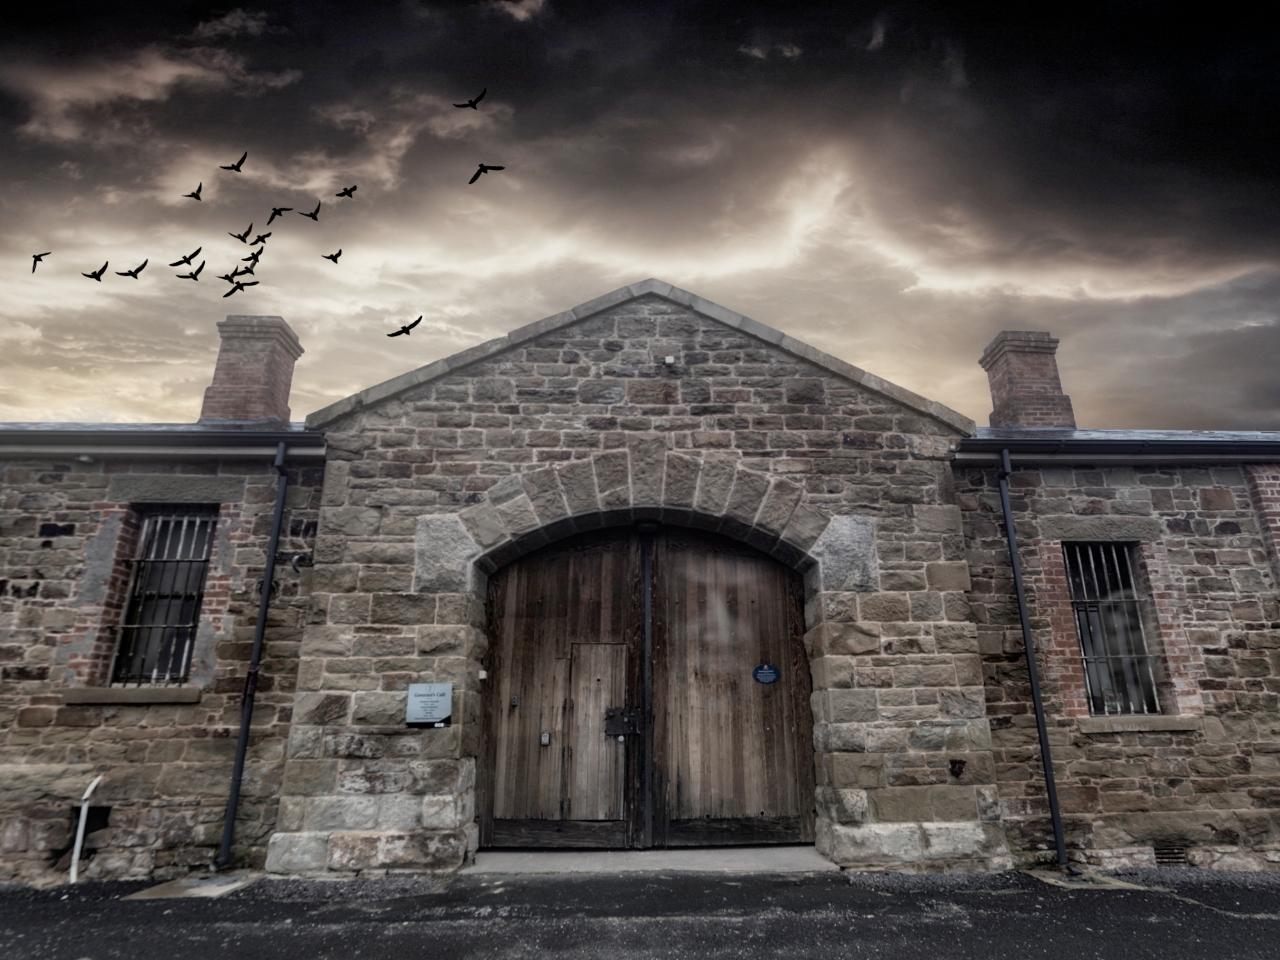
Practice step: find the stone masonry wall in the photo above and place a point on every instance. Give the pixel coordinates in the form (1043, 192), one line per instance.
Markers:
(583, 425)
(1206, 773)
(66, 533)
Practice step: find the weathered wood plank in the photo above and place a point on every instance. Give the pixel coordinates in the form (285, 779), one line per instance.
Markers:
(727, 750)
(585, 834)
(597, 763)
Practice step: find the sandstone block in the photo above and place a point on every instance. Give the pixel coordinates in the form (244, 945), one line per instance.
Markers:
(846, 555)
(444, 554)
(297, 852)
(948, 575)
(843, 639)
(407, 608)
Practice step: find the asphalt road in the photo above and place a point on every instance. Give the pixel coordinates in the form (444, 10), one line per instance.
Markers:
(1177, 914)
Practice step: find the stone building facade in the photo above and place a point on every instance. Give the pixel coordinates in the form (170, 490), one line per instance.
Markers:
(649, 405)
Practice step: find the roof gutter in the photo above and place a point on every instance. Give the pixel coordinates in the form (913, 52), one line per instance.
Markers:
(188, 444)
(985, 451)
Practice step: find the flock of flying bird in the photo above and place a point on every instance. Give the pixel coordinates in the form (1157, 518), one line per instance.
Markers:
(259, 241)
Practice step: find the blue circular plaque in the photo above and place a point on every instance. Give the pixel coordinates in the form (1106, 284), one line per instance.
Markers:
(765, 673)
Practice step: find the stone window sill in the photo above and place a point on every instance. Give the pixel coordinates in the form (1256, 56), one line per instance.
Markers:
(132, 695)
(1140, 724)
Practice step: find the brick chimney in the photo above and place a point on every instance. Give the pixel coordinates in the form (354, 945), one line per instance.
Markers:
(1025, 389)
(254, 371)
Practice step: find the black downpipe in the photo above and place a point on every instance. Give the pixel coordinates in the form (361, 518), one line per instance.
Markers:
(1033, 672)
(223, 859)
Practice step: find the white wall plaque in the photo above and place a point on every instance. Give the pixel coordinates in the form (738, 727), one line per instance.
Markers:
(429, 705)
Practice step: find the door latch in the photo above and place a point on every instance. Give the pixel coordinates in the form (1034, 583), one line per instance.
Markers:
(619, 722)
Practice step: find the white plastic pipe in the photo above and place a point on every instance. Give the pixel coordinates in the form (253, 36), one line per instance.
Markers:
(84, 817)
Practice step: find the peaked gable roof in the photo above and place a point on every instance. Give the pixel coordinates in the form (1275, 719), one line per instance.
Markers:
(730, 318)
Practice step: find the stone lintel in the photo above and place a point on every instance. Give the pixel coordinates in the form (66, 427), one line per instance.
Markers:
(174, 488)
(1098, 528)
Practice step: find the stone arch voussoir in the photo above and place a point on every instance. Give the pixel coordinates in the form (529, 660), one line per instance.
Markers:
(645, 480)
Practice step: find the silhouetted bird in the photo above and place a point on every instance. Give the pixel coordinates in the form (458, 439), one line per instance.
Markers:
(229, 277)
(187, 259)
(252, 257)
(241, 271)
(243, 237)
(260, 238)
(235, 167)
(240, 286)
(314, 214)
(484, 168)
(97, 274)
(332, 256)
(405, 329)
(134, 272)
(195, 194)
(194, 275)
(472, 103)
(349, 192)
(277, 212)
(38, 258)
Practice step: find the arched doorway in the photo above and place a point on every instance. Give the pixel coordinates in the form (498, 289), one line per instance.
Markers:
(647, 687)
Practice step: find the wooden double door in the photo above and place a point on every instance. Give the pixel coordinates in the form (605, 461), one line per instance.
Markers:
(646, 688)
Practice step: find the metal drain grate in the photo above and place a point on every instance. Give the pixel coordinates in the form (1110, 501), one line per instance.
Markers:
(1172, 853)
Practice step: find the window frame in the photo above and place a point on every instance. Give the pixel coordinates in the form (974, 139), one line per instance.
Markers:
(1123, 679)
(144, 515)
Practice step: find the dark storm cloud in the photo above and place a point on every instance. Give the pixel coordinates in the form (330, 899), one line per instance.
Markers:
(894, 183)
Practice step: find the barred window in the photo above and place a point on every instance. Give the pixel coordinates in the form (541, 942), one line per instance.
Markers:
(165, 593)
(1118, 669)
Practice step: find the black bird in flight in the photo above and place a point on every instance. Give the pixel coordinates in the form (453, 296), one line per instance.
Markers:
(229, 277)
(235, 167)
(405, 329)
(483, 168)
(38, 258)
(277, 212)
(187, 259)
(195, 194)
(260, 238)
(252, 257)
(241, 271)
(314, 214)
(348, 192)
(134, 272)
(97, 274)
(472, 103)
(243, 237)
(332, 256)
(240, 286)
(194, 275)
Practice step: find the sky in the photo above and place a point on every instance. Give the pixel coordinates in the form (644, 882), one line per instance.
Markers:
(891, 183)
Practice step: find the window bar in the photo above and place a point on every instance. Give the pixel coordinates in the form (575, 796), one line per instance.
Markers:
(1075, 570)
(1153, 693)
(1122, 618)
(164, 602)
(138, 589)
(1094, 617)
